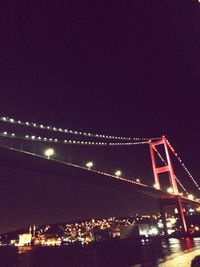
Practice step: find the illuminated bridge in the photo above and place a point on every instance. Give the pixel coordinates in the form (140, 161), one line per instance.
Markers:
(19, 158)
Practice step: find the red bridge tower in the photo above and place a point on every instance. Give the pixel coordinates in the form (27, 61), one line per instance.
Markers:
(167, 168)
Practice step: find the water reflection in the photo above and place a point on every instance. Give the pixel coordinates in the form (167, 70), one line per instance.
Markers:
(188, 244)
(196, 241)
(24, 249)
(176, 247)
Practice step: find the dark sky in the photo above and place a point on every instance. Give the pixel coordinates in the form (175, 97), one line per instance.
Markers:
(127, 68)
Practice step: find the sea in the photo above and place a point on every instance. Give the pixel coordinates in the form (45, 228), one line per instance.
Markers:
(118, 253)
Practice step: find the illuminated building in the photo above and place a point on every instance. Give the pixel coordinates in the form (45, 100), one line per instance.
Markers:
(25, 239)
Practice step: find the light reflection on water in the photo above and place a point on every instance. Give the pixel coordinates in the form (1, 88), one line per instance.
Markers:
(124, 253)
(25, 249)
(176, 247)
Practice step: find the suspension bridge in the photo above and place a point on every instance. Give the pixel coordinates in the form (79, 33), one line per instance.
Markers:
(160, 149)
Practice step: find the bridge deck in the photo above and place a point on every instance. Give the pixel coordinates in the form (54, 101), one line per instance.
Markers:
(33, 162)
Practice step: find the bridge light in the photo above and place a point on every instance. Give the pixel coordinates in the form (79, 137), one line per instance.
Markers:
(49, 152)
(190, 196)
(198, 209)
(89, 165)
(118, 173)
(176, 211)
(155, 186)
(138, 180)
(170, 190)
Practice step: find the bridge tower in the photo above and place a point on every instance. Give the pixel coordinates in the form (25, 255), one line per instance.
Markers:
(167, 168)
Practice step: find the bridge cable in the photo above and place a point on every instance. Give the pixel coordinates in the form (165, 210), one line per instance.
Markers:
(183, 165)
(65, 141)
(69, 131)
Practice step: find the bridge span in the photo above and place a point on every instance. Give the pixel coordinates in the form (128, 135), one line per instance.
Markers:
(37, 163)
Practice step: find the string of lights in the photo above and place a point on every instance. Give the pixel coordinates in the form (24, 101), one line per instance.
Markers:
(68, 131)
(162, 159)
(183, 165)
(65, 141)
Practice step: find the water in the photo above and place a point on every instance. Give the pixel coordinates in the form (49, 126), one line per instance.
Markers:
(122, 253)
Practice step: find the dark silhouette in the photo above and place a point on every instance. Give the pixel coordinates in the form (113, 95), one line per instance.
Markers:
(196, 262)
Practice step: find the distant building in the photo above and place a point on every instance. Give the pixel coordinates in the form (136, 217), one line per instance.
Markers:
(129, 231)
(25, 239)
(148, 230)
(144, 229)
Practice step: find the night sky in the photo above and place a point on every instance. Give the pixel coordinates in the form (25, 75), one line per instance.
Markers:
(125, 68)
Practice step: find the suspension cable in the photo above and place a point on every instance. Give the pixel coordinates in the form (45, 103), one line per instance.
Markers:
(68, 131)
(65, 141)
(183, 165)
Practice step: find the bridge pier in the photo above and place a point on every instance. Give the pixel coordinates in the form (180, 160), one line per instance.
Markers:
(181, 214)
(167, 168)
(172, 202)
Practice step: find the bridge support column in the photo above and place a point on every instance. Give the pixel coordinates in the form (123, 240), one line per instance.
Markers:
(175, 202)
(167, 168)
(181, 214)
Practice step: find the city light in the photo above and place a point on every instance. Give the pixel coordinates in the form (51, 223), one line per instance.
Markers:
(198, 209)
(118, 173)
(138, 180)
(153, 231)
(190, 196)
(86, 231)
(89, 165)
(49, 152)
